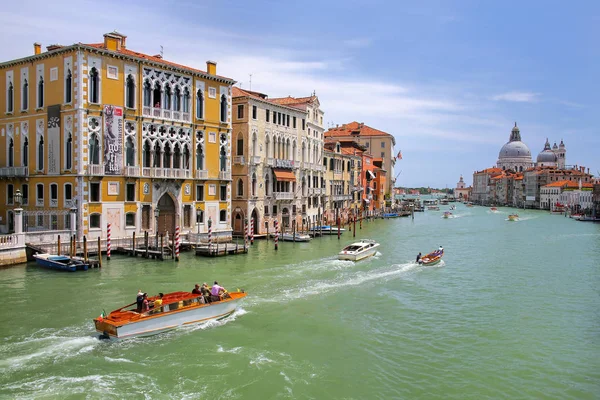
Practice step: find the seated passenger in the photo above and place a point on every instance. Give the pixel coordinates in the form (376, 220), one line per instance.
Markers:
(158, 303)
(145, 304)
(196, 289)
(205, 292)
(139, 299)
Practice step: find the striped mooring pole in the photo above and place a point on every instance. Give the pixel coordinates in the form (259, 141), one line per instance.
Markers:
(252, 230)
(177, 243)
(209, 235)
(107, 242)
(246, 233)
(276, 233)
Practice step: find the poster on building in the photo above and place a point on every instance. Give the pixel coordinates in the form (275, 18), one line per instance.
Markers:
(113, 140)
(53, 140)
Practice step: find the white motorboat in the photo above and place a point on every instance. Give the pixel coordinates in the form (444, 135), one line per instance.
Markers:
(291, 237)
(359, 250)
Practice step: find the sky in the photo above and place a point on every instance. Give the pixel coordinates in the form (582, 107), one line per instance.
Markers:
(448, 79)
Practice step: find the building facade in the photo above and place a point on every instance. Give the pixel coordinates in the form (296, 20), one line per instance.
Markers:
(462, 192)
(124, 138)
(343, 189)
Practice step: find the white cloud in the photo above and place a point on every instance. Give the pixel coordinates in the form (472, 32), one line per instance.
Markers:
(520, 97)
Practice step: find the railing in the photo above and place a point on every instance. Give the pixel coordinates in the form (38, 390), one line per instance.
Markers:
(69, 203)
(53, 202)
(146, 172)
(39, 202)
(239, 160)
(132, 171)
(225, 175)
(339, 197)
(166, 114)
(201, 174)
(14, 171)
(283, 195)
(270, 161)
(95, 170)
(255, 160)
(12, 240)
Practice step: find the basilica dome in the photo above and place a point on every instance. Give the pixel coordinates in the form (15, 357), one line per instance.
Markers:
(547, 156)
(515, 154)
(516, 149)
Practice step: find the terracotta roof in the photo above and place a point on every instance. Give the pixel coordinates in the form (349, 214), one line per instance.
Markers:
(154, 59)
(288, 101)
(569, 184)
(360, 129)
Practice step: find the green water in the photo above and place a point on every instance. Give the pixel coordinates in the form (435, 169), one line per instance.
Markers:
(511, 313)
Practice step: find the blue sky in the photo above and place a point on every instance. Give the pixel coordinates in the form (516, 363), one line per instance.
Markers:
(447, 79)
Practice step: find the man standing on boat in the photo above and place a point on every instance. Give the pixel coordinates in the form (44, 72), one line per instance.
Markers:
(216, 291)
(419, 257)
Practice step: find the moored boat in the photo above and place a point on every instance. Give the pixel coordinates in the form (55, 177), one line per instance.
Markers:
(359, 250)
(433, 208)
(177, 309)
(432, 258)
(291, 237)
(61, 263)
(327, 230)
(513, 217)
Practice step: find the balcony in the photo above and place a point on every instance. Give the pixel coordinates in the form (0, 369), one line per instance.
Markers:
(95, 170)
(239, 160)
(341, 197)
(283, 195)
(201, 174)
(132, 171)
(14, 172)
(270, 162)
(39, 202)
(255, 160)
(69, 203)
(165, 173)
(153, 112)
(53, 202)
(225, 175)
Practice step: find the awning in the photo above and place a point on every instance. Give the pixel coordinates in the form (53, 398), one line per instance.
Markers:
(284, 175)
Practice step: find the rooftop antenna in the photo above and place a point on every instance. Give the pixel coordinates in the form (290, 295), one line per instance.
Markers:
(250, 82)
(161, 51)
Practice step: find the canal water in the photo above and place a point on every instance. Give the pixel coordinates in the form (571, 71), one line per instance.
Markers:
(511, 313)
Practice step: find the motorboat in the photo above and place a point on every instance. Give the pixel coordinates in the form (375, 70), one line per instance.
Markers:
(61, 263)
(432, 258)
(433, 208)
(469, 204)
(359, 250)
(453, 207)
(513, 217)
(327, 230)
(493, 209)
(447, 214)
(293, 237)
(177, 309)
(391, 215)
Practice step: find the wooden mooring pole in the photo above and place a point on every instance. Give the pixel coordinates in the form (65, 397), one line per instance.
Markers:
(59, 245)
(133, 245)
(99, 253)
(85, 254)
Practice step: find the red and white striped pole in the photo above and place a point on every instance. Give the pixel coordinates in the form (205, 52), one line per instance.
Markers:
(177, 243)
(246, 234)
(209, 235)
(276, 233)
(107, 242)
(252, 230)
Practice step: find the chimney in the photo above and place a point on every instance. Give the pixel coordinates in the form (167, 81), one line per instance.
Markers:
(53, 47)
(114, 41)
(37, 48)
(211, 67)
(157, 56)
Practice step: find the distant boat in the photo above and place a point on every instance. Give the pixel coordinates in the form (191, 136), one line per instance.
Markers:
(327, 230)
(390, 215)
(513, 217)
(290, 237)
(359, 250)
(493, 209)
(469, 204)
(447, 214)
(453, 207)
(432, 258)
(433, 208)
(61, 263)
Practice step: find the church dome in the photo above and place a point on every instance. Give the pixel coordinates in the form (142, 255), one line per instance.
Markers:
(516, 149)
(547, 155)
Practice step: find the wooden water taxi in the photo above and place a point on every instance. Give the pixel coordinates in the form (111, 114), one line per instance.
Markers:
(432, 258)
(177, 309)
(513, 217)
(61, 263)
(359, 250)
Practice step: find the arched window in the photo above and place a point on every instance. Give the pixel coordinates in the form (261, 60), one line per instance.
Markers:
(94, 86)
(25, 96)
(223, 108)
(254, 144)
(240, 144)
(129, 152)
(68, 87)
(254, 184)
(223, 159)
(157, 154)
(146, 155)
(177, 157)
(185, 105)
(147, 94)
(94, 150)
(267, 147)
(200, 104)
(267, 185)
(199, 157)
(167, 156)
(41, 154)
(40, 99)
(223, 216)
(130, 92)
(157, 93)
(177, 100)
(11, 98)
(240, 187)
(69, 152)
(11, 153)
(26, 152)
(167, 97)
(186, 157)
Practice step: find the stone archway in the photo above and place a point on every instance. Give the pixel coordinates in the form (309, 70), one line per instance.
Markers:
(285, 218)
(167, 215)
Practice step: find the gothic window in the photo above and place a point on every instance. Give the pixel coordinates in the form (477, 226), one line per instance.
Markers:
(11, 97)
(26, 152)
(177, 100)
(200, 104)
(156, 96)
(167, 156)
(68, 87)
(240, 145)
(167, 98)
(186, 101)
(199, 157)
(69, 152)
(267, 147)
(156, 155)
(223, 108)
(253, 184)
(25, 96)
(147, 94)
(254, 144)
(146, 154)
(94, 86)
(94, 148)
(41, 154)
(177, 157)
(11, 153)
(223, 159)
(267, 185)
(186, 157)
(240, 187)
(129, 152)
(130, 92)
(40, 99)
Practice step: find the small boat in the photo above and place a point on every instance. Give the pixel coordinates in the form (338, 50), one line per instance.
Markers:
(359, 250)
(469, 204)
(447, 214)
(61, 263)
(493, 209)
(432, 258)
(291, 237)
(178, 309)
(433, 208)
(453, 207)
(327, 230)
(513, 217)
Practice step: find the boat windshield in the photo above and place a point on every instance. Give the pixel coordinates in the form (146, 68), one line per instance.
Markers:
(352, 247)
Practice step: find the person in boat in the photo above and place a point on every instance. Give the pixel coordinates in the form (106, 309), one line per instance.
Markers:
(196, 289)
(139, 300)
(145, 304)
(216, 291)
(419, 257)
(158, 303)
(205, 292)
(440, 250)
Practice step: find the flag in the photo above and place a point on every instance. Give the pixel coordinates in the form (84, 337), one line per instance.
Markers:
(399, 156)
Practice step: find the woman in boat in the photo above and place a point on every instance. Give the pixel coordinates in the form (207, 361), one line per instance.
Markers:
(145, 304)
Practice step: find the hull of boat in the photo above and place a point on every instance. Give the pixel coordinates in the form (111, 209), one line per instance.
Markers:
(512, 218)
(360, 256)
(288, 237)
(328, 230)
(158, 323)
(44, 260)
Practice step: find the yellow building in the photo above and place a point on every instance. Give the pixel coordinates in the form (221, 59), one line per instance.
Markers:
(342, 185)
(124, 138)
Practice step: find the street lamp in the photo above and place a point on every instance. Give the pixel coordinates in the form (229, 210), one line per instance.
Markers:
(18, 197)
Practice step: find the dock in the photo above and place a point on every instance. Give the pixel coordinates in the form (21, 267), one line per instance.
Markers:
(220, 249)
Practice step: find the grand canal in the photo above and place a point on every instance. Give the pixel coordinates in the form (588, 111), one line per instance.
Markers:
(513, 312)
